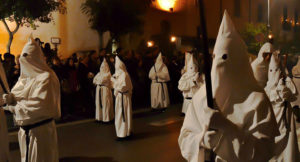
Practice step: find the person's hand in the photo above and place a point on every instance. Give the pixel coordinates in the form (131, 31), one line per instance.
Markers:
(2, 102)
(284, 92)
(211, 139)
(9, 99)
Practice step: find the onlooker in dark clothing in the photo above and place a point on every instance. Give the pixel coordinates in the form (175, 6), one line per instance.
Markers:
(93, 63)
(16, 72)
(85, 77)
(8, 65)
(49, 53)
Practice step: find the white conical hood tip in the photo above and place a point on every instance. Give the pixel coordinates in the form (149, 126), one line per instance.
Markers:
(104, 66)
(119, 65)
(192, 65)
(159, 59)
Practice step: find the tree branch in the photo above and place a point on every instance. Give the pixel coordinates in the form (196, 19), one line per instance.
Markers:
(17, 27)
(6, 26)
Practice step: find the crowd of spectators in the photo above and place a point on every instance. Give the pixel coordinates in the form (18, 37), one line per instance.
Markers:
(76, 75)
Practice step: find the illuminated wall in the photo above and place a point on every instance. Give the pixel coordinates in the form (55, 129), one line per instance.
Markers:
(72, 28)
(44, 32)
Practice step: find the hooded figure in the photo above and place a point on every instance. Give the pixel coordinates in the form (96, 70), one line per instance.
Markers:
(296, 80)
(104, 100)
(35, 103)
(123, 108)
(281, 92)
(4, 141)
(159, 75)
(189, 83)
(260, 65)
(243, 119)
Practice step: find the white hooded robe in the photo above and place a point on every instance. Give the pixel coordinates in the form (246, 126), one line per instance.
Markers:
(159, 75)
(260, 66)
(245, 123)
(189, 83)
(4, 140)
(104, 100)
(296, 80)
(37, 94)
(280, 95)
(123, 107)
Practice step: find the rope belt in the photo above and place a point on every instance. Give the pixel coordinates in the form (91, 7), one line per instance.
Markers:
(27, 128)
(123, 109)
(163, 91)
(100, 96)
(188, 98)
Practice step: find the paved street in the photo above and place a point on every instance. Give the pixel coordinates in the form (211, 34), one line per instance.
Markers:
(154, 140)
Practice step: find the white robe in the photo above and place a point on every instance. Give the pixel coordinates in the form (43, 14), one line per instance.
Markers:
(281, 94)
(189, 83)
(159, 88)
(296, 80)
(243, 117)
(37, 95)
(4, 141)
(104, 111)
(286, 143)
(122, 90)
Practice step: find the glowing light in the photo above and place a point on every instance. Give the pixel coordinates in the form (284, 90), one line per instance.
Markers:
(167, 5)
(270, 36)
(150, 44)
(173, 39)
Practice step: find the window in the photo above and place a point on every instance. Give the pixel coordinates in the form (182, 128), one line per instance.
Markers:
(259, 13)
(237, 8)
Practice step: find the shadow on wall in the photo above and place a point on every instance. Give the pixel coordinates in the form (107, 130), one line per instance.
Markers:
(87, 159)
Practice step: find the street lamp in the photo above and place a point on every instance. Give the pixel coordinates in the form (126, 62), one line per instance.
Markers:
(150, 44)
(173, 39)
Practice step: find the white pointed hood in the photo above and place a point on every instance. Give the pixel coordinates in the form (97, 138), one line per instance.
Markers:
(231, 73)
(104, 74)
(159, 62)
(192, 67)
(260, 66)
(274, 72)
(296, 69)
(187, 58)
(120, 66)
(104, 68)
(32, 60)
